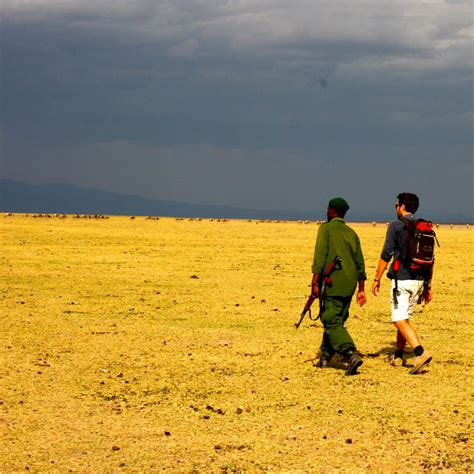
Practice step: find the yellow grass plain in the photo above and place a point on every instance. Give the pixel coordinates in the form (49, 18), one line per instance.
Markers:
(135, 345)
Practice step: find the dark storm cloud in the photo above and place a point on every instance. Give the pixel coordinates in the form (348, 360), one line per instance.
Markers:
(302, 88)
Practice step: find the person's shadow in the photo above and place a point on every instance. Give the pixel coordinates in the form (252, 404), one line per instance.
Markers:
(387, 352)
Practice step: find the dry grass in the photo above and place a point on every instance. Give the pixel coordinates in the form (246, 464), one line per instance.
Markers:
(136, 345)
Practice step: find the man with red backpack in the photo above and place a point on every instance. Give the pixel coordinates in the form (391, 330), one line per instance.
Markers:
(410, 242)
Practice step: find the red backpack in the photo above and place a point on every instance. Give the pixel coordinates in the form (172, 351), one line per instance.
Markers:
(418, 253)
(420, 243)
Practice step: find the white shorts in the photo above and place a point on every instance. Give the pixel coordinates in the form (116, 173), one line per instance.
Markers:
(409, 292)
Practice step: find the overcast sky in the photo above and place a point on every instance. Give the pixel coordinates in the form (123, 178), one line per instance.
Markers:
(251, 103)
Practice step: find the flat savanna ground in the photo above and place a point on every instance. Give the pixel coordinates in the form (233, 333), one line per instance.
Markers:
(146, 345)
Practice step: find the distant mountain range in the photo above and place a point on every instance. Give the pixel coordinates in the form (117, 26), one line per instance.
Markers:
(67, 199)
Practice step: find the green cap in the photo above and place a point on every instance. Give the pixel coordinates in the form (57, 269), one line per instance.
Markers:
(338, 203)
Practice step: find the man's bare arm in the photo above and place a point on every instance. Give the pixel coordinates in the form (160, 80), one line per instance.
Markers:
(381, 267)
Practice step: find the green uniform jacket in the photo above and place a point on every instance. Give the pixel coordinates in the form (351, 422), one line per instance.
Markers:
(337, 238)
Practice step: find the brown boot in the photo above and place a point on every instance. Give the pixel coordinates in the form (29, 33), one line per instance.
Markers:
(420, 362)
(397, 361)
(354, 362)
(323, 362)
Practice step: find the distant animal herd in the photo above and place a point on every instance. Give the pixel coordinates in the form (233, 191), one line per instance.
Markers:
(196, 219)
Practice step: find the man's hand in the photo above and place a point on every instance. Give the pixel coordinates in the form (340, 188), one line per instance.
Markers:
(361, 298)
(376, 287)
(381, 267)
(426, 296)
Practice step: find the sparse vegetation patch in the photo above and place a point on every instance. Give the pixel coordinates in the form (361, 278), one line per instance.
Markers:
(161, 344)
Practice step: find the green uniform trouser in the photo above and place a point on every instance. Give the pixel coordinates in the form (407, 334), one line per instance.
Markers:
(335, 337)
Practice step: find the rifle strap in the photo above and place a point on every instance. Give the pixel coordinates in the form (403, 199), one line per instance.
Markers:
(395, 293)
(311, 318)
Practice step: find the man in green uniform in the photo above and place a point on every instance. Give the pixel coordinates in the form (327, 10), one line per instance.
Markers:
(336, 239)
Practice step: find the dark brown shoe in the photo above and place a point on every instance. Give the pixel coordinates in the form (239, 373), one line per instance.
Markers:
(354, 362)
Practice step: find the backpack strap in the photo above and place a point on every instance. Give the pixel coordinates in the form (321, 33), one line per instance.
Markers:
(410, 225)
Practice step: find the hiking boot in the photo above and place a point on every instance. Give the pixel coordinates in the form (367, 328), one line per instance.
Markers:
(354, 362)
(323, 362)
(420, 362)
(397, 361)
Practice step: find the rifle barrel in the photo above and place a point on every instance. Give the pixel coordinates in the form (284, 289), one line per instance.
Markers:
(307, 307)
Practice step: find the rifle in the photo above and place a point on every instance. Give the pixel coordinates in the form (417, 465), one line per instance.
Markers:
(306, 309)
(325, 281)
